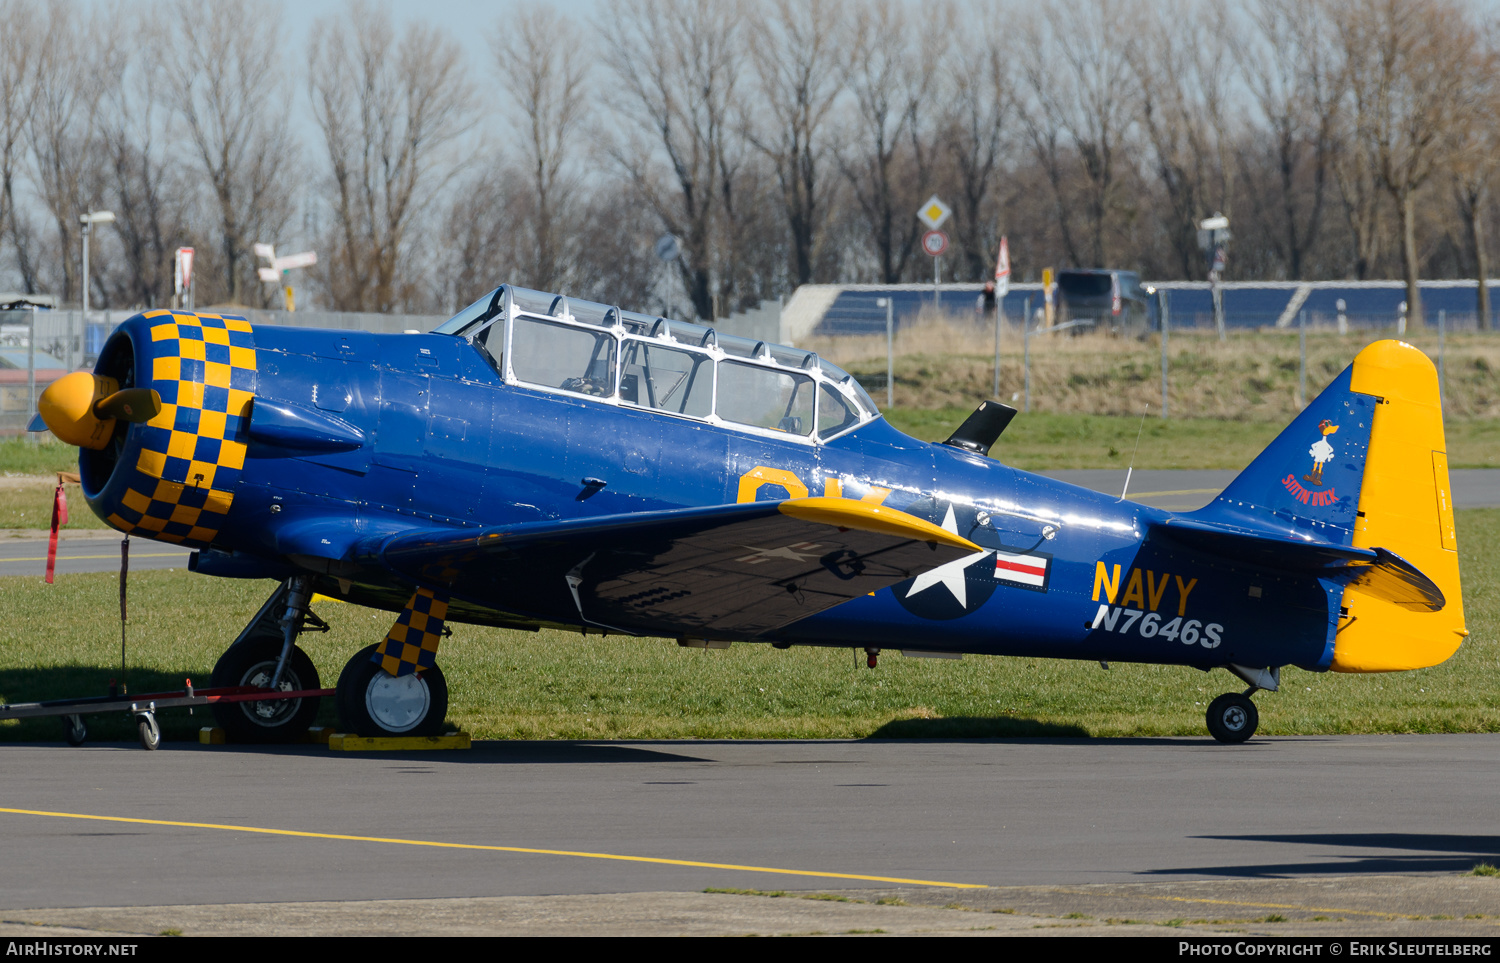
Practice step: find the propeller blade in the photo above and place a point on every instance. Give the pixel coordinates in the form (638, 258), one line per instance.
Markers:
(135, 405)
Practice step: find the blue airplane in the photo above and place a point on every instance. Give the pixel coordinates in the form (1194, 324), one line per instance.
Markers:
(539, 461)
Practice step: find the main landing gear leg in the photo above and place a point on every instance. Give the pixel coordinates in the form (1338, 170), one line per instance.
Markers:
(395, 688)
(266, 656)
(1232, 717)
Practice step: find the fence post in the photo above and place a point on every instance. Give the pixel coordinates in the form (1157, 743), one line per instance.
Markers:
(1442, 331)
(1027, 341)
(31, 364)
(1166, 321)
(1218, 297)
(1302, 365)
(890, 352)
(999, 317)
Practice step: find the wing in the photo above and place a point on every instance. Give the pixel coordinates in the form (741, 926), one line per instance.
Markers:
(730, 571)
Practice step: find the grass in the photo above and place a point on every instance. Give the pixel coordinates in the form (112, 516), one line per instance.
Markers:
(29, 505)
(1227, 401)
(64, 640)
(36, 455)
(1253, 376)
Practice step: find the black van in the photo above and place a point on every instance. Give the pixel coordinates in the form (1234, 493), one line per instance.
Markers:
(1110, 300)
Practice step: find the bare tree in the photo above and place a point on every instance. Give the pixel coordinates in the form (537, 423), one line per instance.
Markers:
(19, 25)
(978, 107)
(545, 71)
(679, 86)
(1079, 111)
(893, 64)
(75, 57)
(794, 48)
(1473, 164)
(387, 111)
(149, 194)
(1291, 73)
(1409, 66)
(1181, 64)
(480, 246)
(226, 81)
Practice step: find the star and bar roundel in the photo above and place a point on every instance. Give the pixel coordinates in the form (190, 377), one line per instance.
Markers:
(962, 586)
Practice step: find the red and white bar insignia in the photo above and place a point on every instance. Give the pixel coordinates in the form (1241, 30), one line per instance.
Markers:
(1027, 570)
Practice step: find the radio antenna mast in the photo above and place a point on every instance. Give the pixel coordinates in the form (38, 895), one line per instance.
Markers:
(1131, 467)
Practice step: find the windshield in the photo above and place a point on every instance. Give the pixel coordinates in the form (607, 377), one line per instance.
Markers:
(475, 314)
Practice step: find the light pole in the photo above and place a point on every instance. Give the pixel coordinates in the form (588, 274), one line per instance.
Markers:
(890, 350)
(1213, 235)
(87, 220)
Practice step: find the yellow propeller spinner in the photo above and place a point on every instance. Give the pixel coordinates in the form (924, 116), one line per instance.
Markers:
(82, 408)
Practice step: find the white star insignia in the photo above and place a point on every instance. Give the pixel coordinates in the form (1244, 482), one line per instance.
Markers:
(950, 575)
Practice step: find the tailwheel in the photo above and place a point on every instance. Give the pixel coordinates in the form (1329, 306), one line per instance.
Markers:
(372, 702)
(1232, 718)
(253, 663)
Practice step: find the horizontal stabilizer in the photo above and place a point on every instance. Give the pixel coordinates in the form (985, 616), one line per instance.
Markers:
(1377, 572)
(727, 571)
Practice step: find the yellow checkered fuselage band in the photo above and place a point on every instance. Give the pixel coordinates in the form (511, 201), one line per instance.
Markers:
(191, 454)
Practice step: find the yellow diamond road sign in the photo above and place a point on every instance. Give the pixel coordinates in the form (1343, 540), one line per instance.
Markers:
(934, 212)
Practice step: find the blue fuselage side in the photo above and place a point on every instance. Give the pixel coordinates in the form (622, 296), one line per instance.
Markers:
(448, 443)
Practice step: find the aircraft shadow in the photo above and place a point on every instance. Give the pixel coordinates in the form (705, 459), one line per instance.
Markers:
(1431, 853)
(975, 727)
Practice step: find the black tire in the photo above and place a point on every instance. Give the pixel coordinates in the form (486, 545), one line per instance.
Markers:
(74, 731)
(417, 707)
(253, 662)
(149, 732)
(1232, 718)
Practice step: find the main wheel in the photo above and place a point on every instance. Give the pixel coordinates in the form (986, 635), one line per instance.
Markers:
(1232, 718)
(253, 663)
(149, 732)
(74, 731)
(372, 702)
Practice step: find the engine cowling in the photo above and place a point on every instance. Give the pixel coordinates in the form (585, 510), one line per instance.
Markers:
(174, 477)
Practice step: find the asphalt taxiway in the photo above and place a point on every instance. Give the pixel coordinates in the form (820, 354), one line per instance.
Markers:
(116, 826)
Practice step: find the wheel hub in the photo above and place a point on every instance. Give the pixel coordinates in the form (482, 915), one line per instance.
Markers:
(1234, 718)
(397, 704)
(271, 712)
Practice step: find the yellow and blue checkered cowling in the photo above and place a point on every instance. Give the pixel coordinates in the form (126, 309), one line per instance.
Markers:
(190, 455)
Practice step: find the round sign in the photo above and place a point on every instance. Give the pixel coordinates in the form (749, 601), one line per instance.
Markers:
(934, 242)
(668, 248)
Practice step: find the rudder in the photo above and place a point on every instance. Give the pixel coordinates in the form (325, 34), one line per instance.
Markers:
(1405, 506)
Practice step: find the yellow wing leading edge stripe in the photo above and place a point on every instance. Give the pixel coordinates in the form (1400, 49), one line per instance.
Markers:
(869, 517)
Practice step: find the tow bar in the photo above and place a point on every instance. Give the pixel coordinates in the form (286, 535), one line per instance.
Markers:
(143, 707)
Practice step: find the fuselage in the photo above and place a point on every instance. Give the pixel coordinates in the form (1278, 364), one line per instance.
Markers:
(423, 431)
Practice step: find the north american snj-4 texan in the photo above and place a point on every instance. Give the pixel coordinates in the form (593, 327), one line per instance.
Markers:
(537, 461)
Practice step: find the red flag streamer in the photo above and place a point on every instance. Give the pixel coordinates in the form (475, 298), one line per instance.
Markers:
(59, 519)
